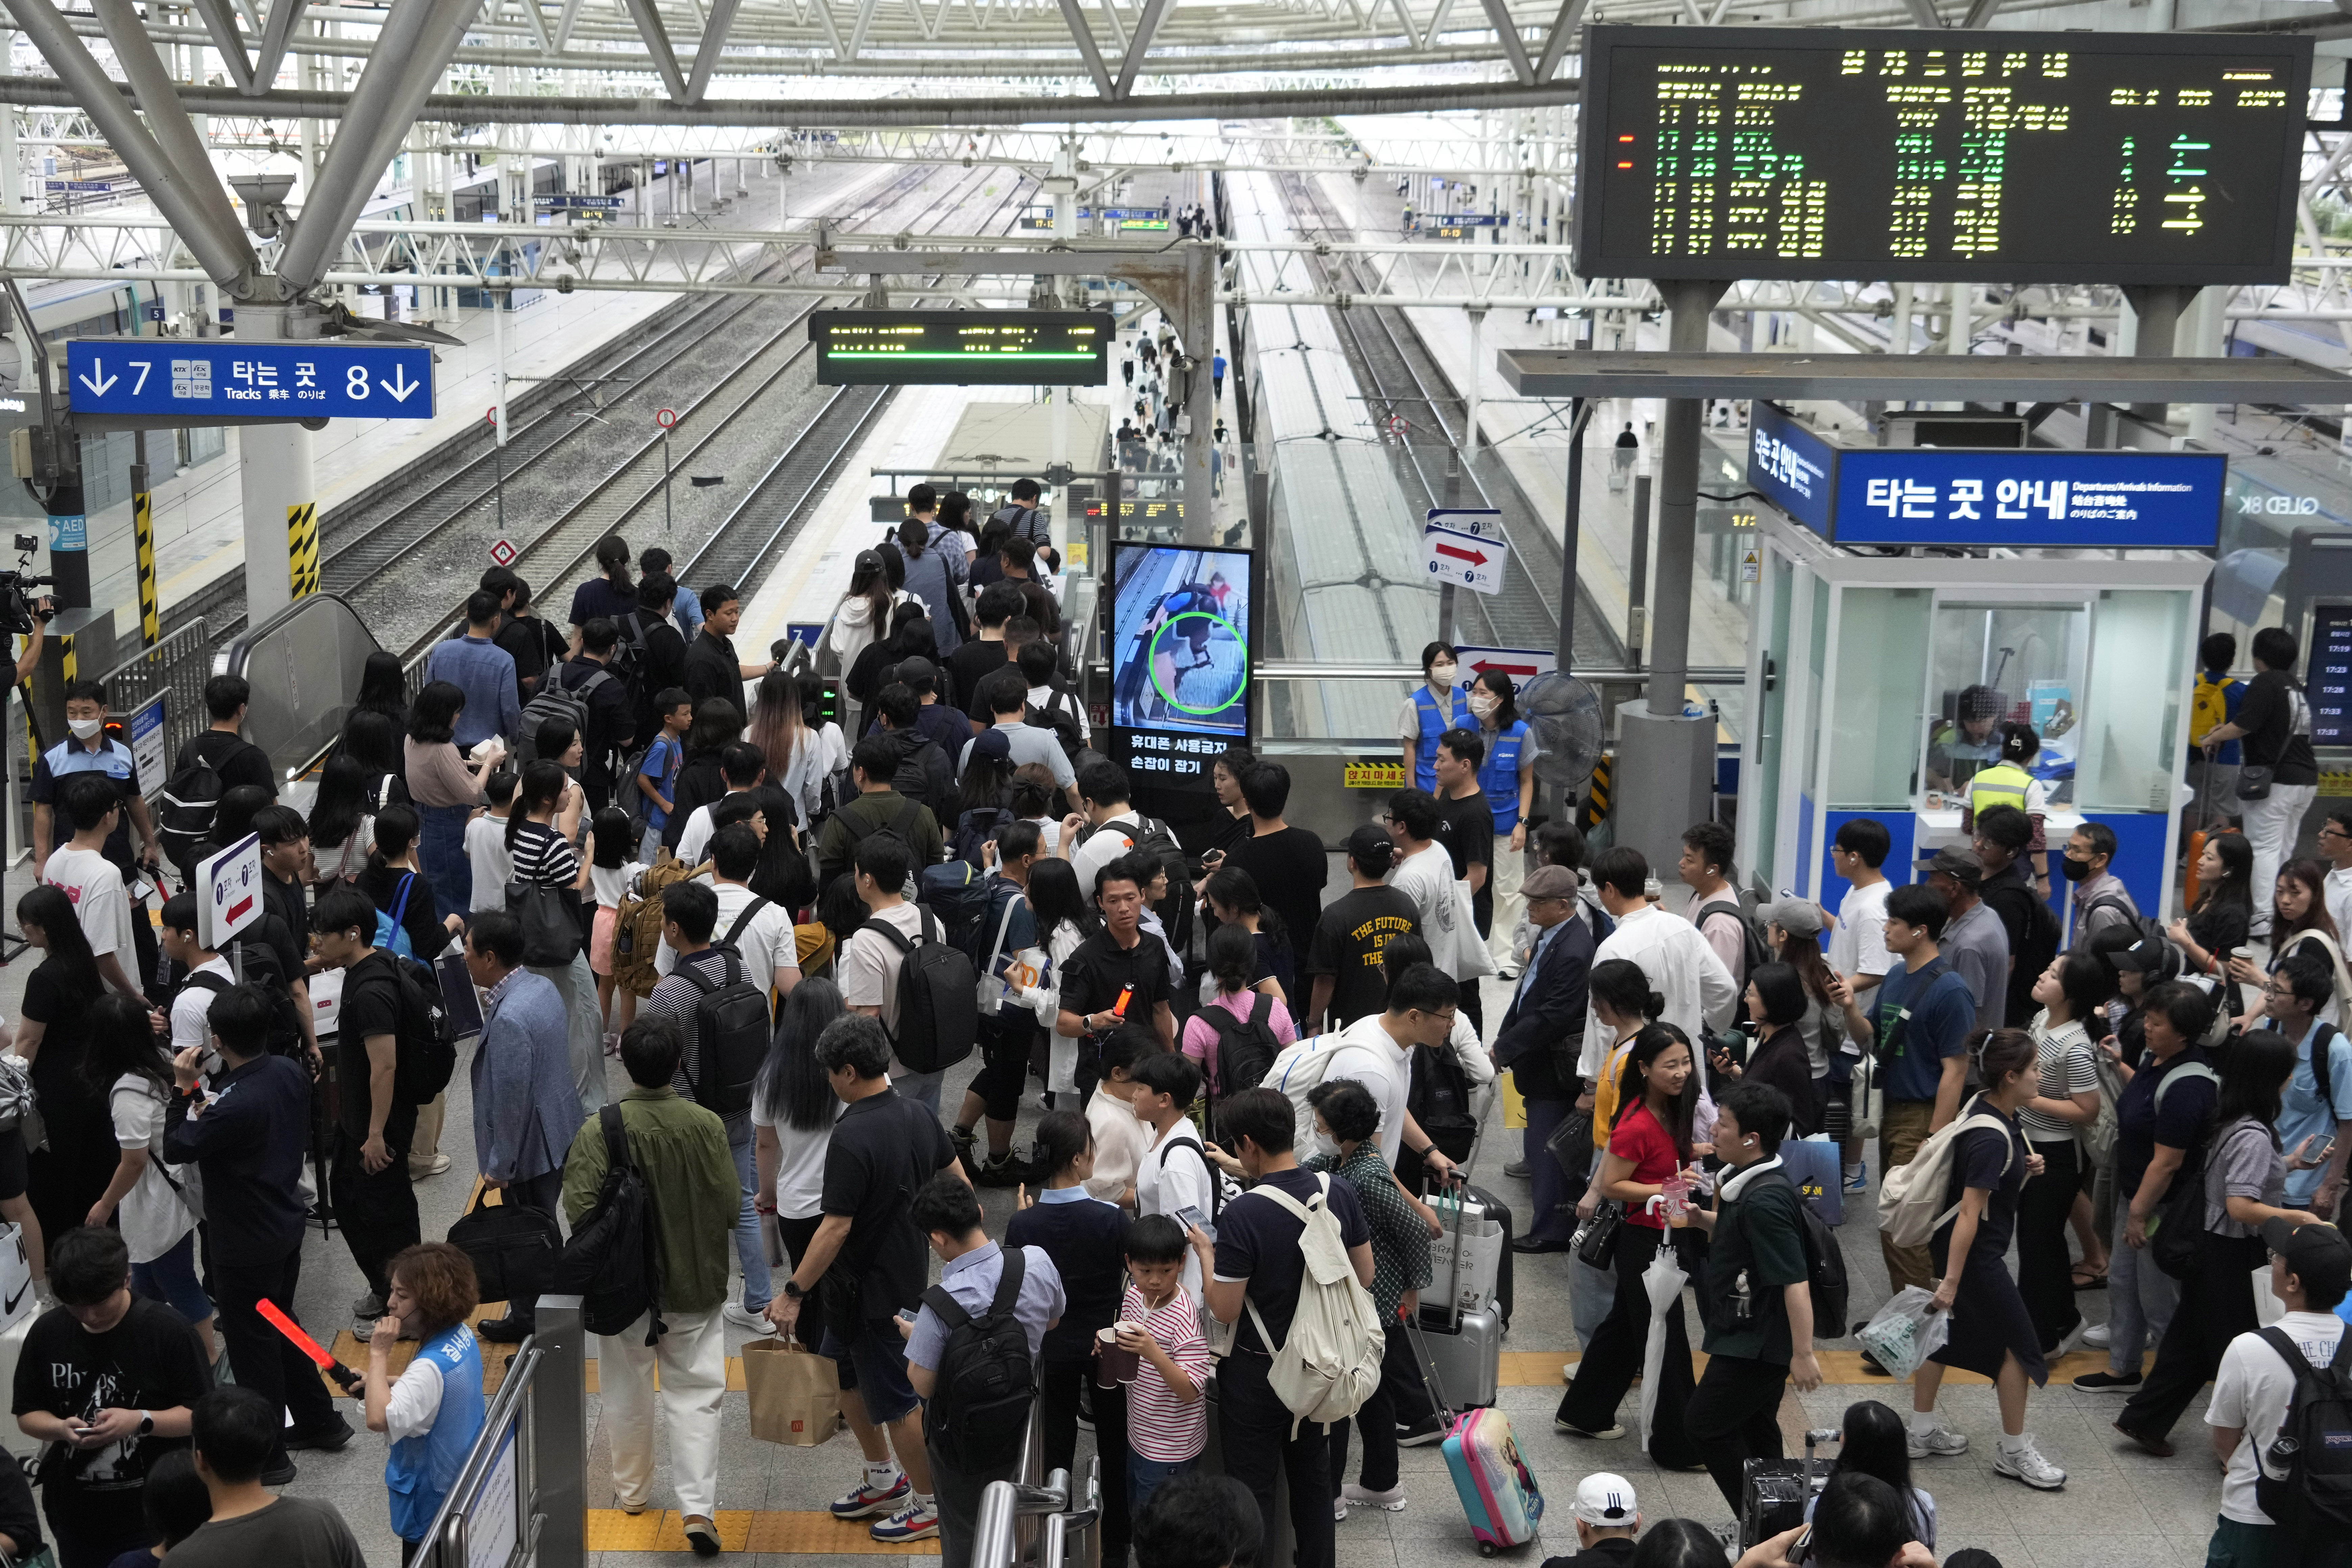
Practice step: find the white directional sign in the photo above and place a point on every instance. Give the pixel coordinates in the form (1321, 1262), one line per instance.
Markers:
(1466, 548)
(308, 379)
(228, 891)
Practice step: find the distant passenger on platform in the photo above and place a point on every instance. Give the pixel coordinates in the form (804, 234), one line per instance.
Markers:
(1005, 696)
(926, 771)
(861, 618)
(933, 715)
(872, 766)
(520, 635)
(712, 666)
(611, 594)
(976, 662)
(88, 749)
(222, 745)
(1022, 514)
(1435, 707)
(662, 647)
(481, 669)
(935, 575)
(1041, 669)
(611, 711)
(444, 785)
(685, 611)
(2273, 721)
(924, 504)
(1621, 457)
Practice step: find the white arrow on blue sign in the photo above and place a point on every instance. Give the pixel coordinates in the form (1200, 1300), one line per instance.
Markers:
(200, 377)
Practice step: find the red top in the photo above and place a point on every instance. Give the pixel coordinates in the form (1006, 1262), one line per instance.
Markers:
(1651, 1148)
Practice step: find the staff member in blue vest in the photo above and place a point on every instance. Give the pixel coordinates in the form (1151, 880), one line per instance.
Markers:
(1508, 778)
(433, 1412)
(1434, 707)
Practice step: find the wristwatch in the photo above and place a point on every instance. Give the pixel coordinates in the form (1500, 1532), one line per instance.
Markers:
(792, 1289)
(146, 1423)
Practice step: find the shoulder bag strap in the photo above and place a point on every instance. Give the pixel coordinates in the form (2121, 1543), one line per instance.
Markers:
(617, 1138)
(949, 1310)
(897, 938)
(400, 904)
(1008, 1282)
(1262, 1009)
(750, 912)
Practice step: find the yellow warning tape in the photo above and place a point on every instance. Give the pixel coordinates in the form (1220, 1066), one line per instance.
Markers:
(302, 547)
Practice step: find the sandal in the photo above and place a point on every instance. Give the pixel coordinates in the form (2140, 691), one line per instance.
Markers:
(2085, 1278)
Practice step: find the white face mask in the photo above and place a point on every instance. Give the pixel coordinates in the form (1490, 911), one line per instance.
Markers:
(84, 728)
(1482, 704)
(1441, 676)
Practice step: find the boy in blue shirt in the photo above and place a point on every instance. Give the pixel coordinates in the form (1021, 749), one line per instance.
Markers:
(657, 776)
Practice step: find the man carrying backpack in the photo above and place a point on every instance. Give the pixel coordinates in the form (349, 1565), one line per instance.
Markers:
(678, 1152)
(375, 1197)
(876, 809)
(607, 705)
(871, 963)
(2262, 1392)
(721, 1007)
(1756, 1297)
(1021, 515)
(211, 763)
(1259, 1282)
(971, 1354)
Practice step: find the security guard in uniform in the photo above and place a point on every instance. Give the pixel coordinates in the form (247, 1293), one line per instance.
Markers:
(2005, 782)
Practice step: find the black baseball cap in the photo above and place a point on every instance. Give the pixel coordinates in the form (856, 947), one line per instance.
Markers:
(2316, 1254)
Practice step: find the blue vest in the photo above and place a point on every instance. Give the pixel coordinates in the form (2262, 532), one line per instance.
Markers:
(1498, 775)
(423, 1468)
(1434, 724)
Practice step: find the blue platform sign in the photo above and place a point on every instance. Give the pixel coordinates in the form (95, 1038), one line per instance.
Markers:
(2045, 497)
(220, 376)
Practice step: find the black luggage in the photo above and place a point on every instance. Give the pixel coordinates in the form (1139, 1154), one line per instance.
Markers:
(513, 1249)
(1774, 1492)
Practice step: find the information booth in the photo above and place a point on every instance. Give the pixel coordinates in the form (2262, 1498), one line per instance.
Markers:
(1892, 638)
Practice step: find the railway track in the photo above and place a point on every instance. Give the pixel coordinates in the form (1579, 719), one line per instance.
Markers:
(1400, 376)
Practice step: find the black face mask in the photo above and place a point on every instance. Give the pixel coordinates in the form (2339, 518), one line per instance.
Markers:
(2074, 871)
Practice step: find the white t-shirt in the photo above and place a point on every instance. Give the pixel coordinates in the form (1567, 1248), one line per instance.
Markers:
(1427, 876)
(1102, 846)
(192, 1009)
(414, 1401)
(1164, 1185)
(695, 837)
(100, 902)
(766, 942)
(611, 884)
(1365, 1052)
(1119, 1144)
(800, 1166)
(152, 1215)
(2252, 1392)
(485, 849)
(1858, 946)
(868, 969)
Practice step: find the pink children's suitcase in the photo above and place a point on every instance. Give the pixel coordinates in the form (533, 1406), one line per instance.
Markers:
(1498, 1491)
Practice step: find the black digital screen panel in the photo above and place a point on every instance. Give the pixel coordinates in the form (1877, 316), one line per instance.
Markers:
(961, 348)
(2003, 157)
(2328, 681)
(1180, 660)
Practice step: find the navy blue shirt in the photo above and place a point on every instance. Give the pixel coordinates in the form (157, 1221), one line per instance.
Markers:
(2180, 1122)
(1913, 1049)
(1086, 1240)
(250, 1142)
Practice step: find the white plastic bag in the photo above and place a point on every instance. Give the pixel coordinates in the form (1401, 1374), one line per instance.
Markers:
(1905, 1333)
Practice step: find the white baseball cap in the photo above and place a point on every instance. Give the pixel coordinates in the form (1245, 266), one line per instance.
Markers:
(1605, 1501)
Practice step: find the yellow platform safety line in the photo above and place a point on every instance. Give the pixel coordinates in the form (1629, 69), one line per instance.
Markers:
(1530, 1369)
(302, 547)
(744, 1530)
(142, 530)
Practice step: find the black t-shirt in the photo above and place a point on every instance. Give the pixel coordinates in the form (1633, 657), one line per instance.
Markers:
(1257, 1241)
(419, 918)
(371, 1007)
(713, 671)
(151, 1359)
(1466, 828)
(664, 668)
(1978, 1160)
(598, 596)
(61, 1007)
(1291, 872)
(290, 903)
(2268, 713)
(521, 637)
(1347, 946)
(1092, 979)
(237, 760)
(970, 665)
(883, 1148)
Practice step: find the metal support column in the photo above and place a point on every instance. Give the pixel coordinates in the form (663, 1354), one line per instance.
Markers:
(274, 475)
(2157, 307)
(142, 540)
(1637, 581)
(1198, 323)
(1477, 315)
(558, 1432)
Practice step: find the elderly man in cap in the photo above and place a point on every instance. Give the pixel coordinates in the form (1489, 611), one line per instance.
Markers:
(1541, 1036)
(1974, 940)
(1607, 1520)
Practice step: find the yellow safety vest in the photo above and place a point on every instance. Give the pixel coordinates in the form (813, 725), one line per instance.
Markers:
(2002, 784)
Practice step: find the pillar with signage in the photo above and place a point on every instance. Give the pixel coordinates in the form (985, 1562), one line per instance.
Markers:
(1881, 678)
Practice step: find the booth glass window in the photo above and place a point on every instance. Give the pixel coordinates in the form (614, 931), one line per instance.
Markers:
(2130, 738)
(1878, 697)
(1993, 661)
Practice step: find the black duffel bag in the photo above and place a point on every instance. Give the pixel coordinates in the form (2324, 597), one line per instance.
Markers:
(514, 1249)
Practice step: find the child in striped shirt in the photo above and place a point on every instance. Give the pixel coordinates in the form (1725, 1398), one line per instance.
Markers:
(1167, 1424)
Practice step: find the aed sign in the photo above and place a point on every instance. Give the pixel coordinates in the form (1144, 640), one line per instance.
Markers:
(2045, 497)
(211, 377)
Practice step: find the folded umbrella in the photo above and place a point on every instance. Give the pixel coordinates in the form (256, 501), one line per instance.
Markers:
(1664, 1281)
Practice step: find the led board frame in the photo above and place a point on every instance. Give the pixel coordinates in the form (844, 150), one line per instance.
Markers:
(962, 348)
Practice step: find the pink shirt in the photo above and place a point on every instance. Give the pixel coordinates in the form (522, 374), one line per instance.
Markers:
(1199, 1041)
(1160, 1426)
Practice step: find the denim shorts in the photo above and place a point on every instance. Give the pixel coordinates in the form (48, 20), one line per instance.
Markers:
(171, 1278)
(879, 1358)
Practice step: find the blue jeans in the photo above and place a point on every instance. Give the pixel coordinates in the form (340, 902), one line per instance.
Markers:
(2140, 1299)
(1554, 1219)
(1144, 1477)
(922, 1088)
(750, 1246)
(171, 1278)
(441, 852)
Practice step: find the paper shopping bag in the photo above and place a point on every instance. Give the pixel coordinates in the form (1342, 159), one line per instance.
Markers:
(795, 1393)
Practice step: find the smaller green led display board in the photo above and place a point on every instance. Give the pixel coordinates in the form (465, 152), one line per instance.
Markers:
(961, 348)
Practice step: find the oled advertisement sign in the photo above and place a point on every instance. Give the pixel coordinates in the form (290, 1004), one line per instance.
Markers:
(2035, 499)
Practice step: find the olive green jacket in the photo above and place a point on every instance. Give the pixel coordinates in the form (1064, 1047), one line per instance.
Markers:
(680, 1152)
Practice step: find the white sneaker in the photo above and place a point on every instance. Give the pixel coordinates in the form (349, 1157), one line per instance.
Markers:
(1939, 1441)
(1389, 1502)
(743, 1317)
(2026, 1464)
(1339, 1510)
(2096, 1336)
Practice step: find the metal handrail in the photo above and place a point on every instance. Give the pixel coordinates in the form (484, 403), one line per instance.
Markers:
(446, 1540)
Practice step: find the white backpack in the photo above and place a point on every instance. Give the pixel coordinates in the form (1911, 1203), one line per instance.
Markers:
(1911, 1197)
(1332, 1363)
(1298, 1069)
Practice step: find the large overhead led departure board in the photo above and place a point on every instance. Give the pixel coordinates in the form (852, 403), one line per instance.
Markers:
(2005, 157)
(961, 348)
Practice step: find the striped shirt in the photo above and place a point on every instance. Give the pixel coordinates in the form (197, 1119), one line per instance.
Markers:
(544, 856)
(1159, 1426)
(2067, 1071)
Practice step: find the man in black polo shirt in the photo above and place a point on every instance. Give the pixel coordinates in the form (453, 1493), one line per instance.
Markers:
(712, 670)
(1121, 956)
(520, 636)
(663, 664)
(873, 1262)
(248, 1139)
(611, 713)
(376, 1201)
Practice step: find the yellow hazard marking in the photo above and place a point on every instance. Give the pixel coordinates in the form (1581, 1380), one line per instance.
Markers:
(303, 548)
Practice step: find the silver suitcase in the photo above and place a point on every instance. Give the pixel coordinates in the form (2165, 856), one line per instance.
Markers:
(1465, 1356)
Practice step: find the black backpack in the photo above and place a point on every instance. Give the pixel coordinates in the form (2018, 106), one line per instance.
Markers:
(610, 1262)
(2173, 1242)
(1754, 950)
(938, 1002)
(2035, 946)
(974, 829)
(256, 961)
(986, 1378)
(1826, 1278)
(1156, 839)
(2311, 1494)
(190, 798)
(426, 1044)
(1246, 1047)
(730, 1024)
(627, 661)
(553, 700)
(2150, 929)
(1060, 715)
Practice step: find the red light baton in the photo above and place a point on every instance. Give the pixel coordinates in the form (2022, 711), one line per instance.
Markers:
(349, 1381)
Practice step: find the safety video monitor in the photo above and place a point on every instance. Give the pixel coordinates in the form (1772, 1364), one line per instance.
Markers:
(1181, 633)
(2328, 678)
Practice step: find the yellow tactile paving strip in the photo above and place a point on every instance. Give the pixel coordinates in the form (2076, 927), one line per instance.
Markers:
(609, 1529)
(1530, 1369)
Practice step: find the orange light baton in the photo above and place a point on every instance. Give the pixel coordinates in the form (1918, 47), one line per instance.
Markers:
(349, 1381)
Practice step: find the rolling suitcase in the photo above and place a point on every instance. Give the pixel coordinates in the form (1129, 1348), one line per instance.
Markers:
(1500, 1213)
(1462, 1351)
(1774, 1492)
(1498, 1491)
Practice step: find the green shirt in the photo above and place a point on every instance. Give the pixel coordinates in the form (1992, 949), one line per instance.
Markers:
(867, 813)
(680, 1152)
(1758, 1231)
(1400, 1237)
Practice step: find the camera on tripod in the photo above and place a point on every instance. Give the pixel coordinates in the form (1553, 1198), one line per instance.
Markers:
(19, 611)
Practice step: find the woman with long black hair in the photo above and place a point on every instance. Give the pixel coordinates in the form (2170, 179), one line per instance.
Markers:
(2072, 991)
(717, 724)
(935, 576)
(446, 787)
(2224, 912)
(861, 618)
(52, 1034)
(1232, 895)
(1065, 918)
(1649, 1145)
(794, 1109)
(373, 740)
(342, 821)
(611, 594)
(383, 688)
(1775, 1005)
(1871, 1440)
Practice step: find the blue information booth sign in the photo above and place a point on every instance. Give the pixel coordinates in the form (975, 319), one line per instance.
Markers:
(201, 377)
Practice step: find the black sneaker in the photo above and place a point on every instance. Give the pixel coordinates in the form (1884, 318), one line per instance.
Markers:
(1007, 1172)
(2100, 1381)
(327, 1439)
(1870, 1365)
(283, 1476)
(1430, 1428)
(501, 1330)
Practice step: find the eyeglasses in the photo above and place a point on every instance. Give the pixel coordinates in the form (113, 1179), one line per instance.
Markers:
(2332, 831)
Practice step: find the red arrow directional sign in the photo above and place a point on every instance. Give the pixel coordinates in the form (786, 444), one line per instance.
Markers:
(1482, 667)
(1476, 557)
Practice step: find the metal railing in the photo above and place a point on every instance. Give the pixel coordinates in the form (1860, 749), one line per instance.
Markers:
(1032, 1522)
(159, 692)
(521, 1496)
